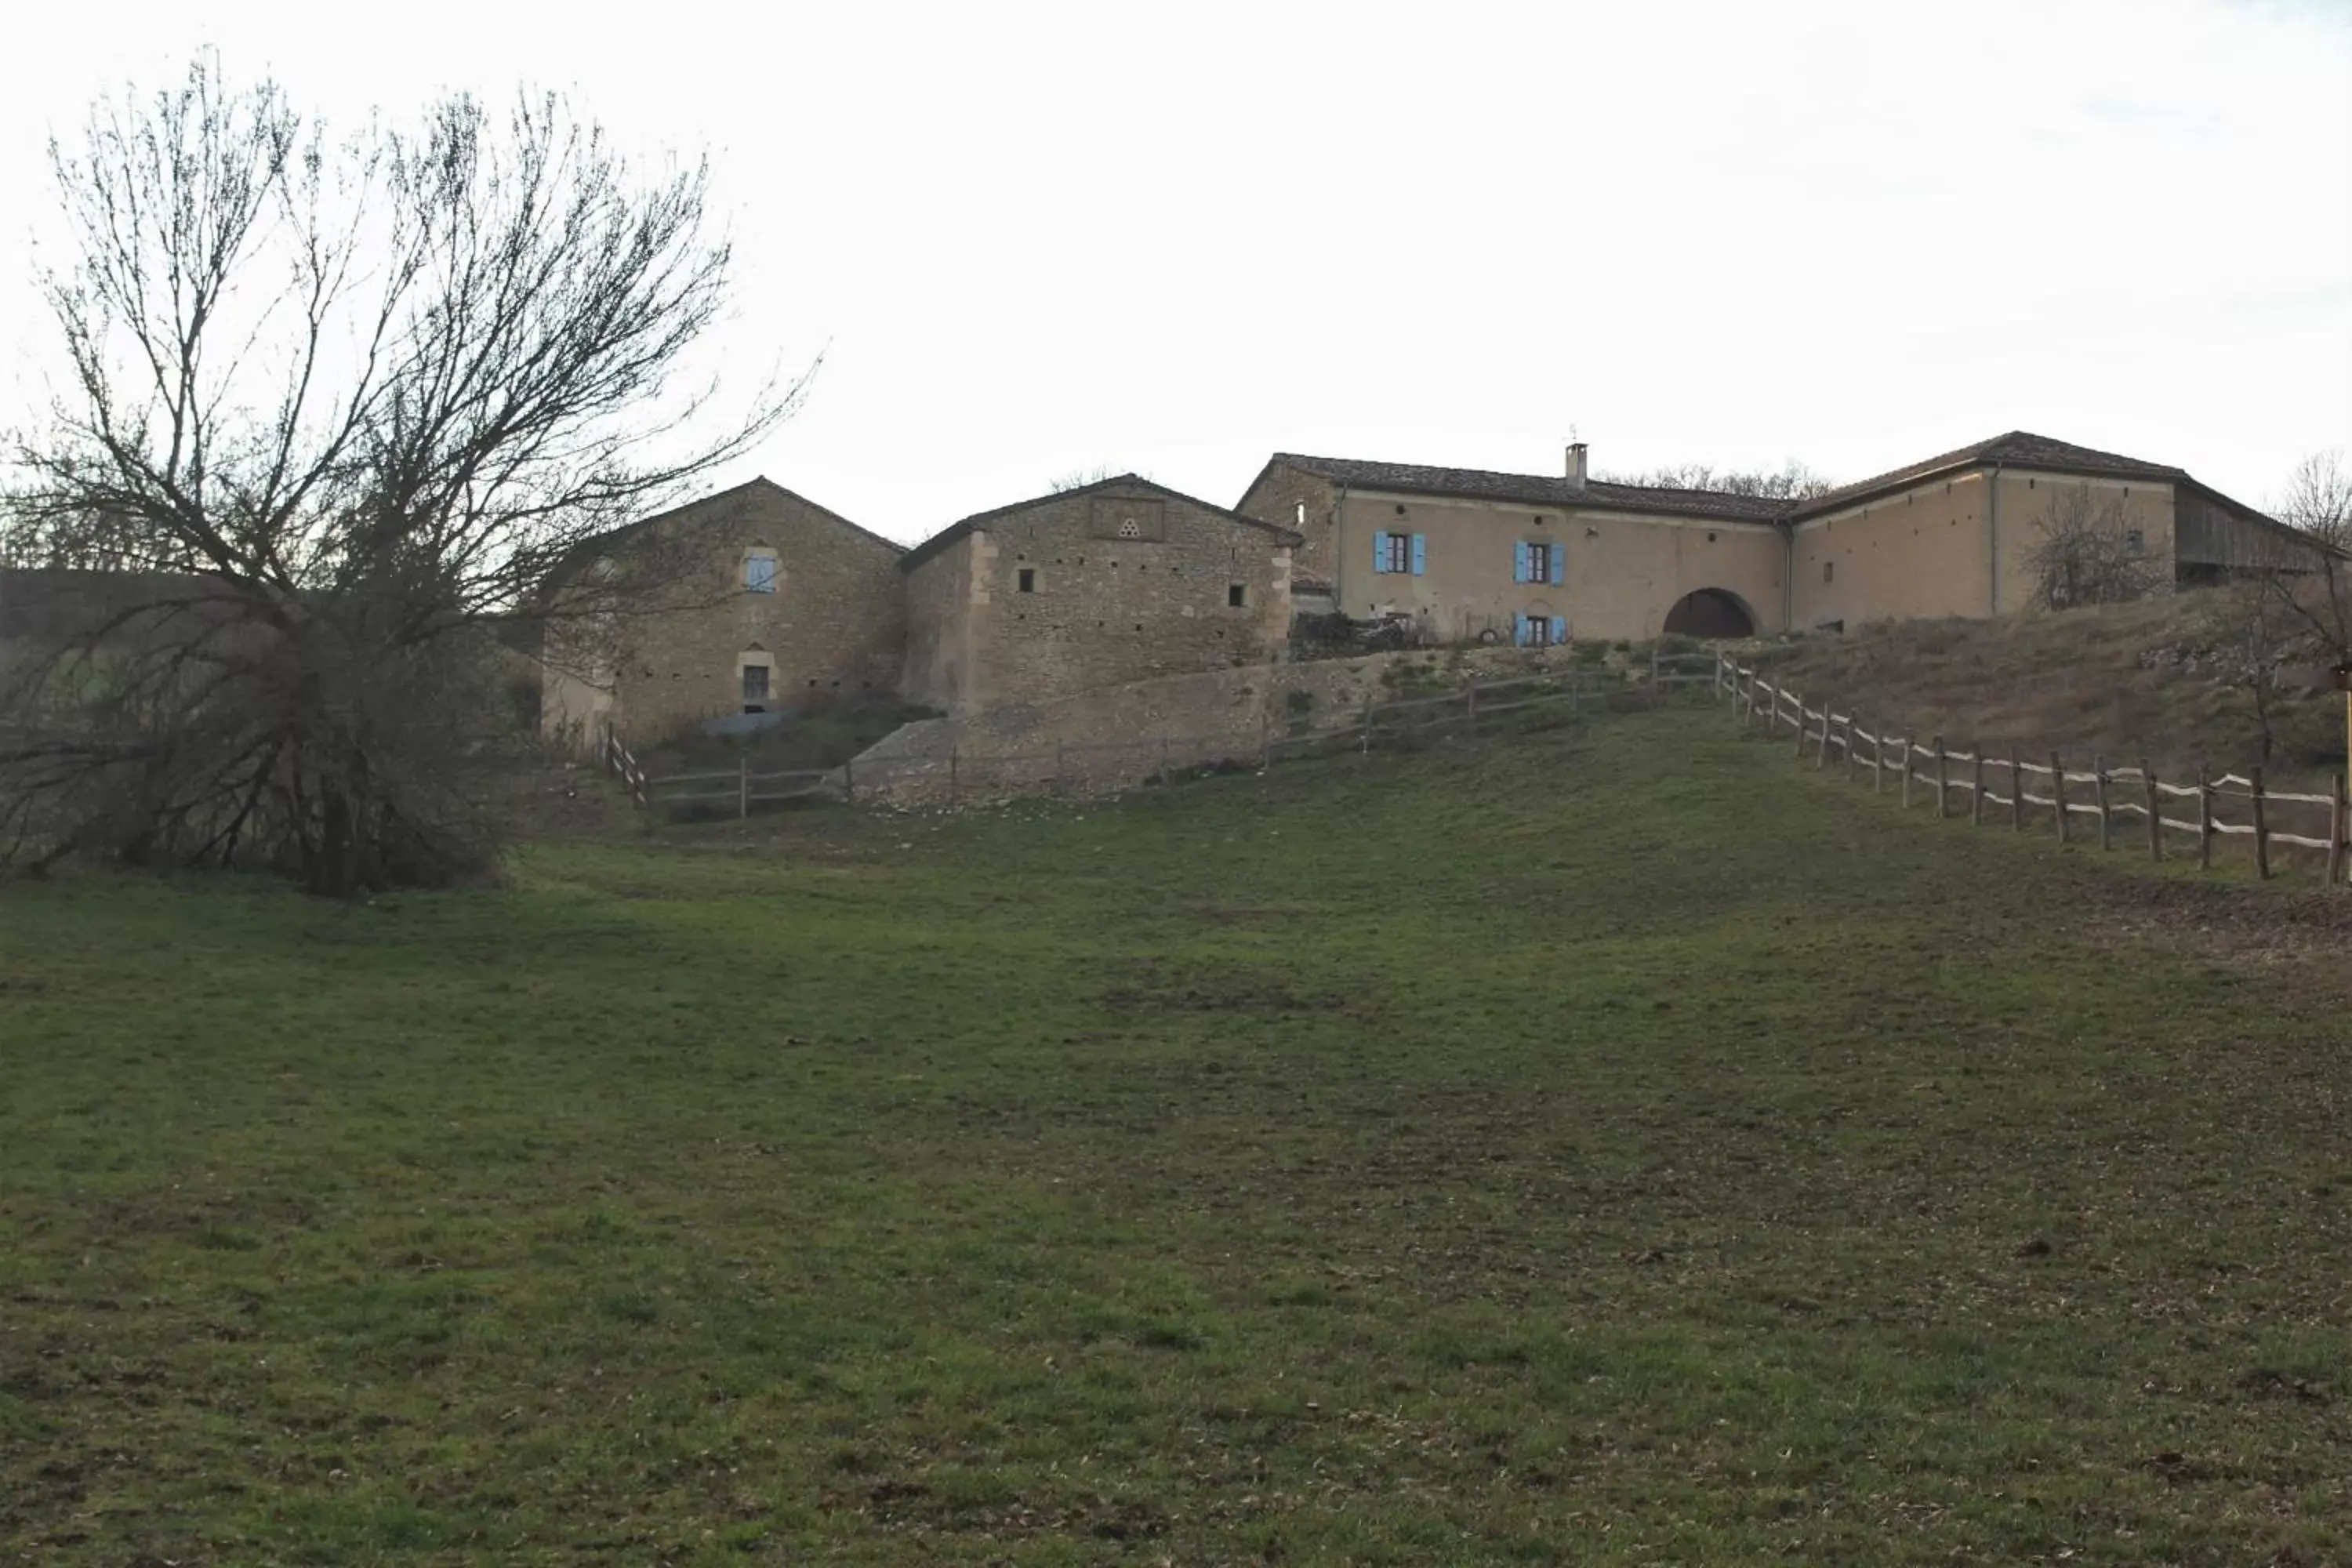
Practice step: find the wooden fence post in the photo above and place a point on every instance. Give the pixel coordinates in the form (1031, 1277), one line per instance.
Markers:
(2016, 791)
(2339, 826)
(2058, 794)
(1907, 771)
(2099, 797)
(2204, 820)
(1747, 709)
(2154, 823)
(2262, 829)
(1801, 733)
(1976, 796)
(1943, 777)
(1823, 760)
(743, 787)
(1878, 759)
(1852, 758)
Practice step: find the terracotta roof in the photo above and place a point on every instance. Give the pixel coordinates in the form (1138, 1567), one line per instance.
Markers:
(1536, 489)
(2018, 449)
(955, 530)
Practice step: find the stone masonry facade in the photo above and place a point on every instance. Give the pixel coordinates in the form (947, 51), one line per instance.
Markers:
(1113, 582)
(763, 601)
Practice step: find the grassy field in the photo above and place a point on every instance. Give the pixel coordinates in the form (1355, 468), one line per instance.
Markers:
(1520, 1153)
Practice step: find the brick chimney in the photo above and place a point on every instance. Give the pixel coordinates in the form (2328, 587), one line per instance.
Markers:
(1576, 465)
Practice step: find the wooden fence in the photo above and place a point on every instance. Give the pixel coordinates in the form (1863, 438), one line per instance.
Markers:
(2133, 795)
(1088, 766)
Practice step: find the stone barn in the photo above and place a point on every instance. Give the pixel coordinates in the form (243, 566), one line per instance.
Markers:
(754, 600)
(1124, 579)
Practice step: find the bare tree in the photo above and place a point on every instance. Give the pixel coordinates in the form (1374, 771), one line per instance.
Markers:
(2089, 553)
(2311, 579)
(343, 404)
(1793, 481)
(2284, 612)
(1079, 479)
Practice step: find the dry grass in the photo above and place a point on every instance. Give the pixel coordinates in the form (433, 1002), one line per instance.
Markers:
(2129, 681)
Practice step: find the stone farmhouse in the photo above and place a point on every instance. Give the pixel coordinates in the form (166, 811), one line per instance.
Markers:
(763, 602)
(758, 598)
(1537, 559)
(1115, 581)
(777, 604)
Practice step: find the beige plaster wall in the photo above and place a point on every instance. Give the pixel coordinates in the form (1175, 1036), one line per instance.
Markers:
(1934, 549)
(1624, 571)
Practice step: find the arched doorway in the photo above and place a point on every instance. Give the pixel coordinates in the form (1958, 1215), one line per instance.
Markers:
(1711, 612)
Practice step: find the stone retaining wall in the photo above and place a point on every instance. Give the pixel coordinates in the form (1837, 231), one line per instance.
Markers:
(1118, 736)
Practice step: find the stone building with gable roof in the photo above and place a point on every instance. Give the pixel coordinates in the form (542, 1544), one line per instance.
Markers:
(1117, 581)
(762, 601)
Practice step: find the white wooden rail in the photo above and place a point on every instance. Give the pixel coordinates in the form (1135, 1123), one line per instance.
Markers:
(2321, 822)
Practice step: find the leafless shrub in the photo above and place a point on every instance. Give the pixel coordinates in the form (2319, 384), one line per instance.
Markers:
(2089, 553)
(343, 403)
(1793, 481)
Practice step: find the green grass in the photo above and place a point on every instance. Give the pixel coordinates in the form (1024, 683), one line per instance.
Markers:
(1617, 1146)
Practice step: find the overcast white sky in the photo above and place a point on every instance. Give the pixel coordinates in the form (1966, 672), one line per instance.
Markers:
(1037, 239)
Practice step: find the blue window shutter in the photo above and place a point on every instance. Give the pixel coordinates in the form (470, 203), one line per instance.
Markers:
(1559, 630)
(1518, 562)
(1518, 629)
(1559, 564)
(1380, 552)
(1420, 553)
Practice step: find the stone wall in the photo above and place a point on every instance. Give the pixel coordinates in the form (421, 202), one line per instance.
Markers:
(1101, 587)
(1305, 503)
(834, 628)
(1116, 737)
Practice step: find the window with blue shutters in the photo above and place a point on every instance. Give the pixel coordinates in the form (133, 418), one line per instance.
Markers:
(1520, 560)
(1537, 561)
(1556, 563)
(1406, 554)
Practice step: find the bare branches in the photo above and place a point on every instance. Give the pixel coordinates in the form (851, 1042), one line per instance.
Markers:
(2089, 553)
(365, 395)
(1792, 481)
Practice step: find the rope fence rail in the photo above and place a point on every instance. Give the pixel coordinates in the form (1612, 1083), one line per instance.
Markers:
(2322, 823)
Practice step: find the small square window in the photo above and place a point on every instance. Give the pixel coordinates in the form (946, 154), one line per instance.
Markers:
(1028, 579)
(755, 683)
(2134, 541)
(1395, 552)
(759, 574)
(1236, 596)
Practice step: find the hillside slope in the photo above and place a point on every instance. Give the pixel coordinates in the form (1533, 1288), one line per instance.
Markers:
(2146, 678)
